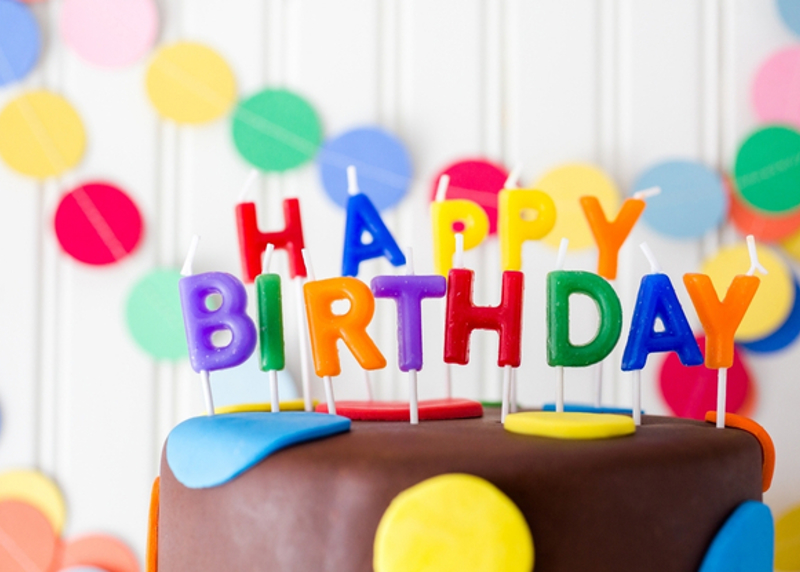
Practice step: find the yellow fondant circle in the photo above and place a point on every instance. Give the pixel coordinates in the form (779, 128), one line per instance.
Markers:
(453, 523)
(775, 296)
(36, 489)
(570, 425)
(787, 540)
(190, 83)
(566, 185)
(41, 134)
(288, 405)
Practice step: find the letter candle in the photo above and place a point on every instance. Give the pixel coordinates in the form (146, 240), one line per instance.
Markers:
(201, 323)
(463, 317)
(326, 328)
(253, 242)
(609, 237)
(720, 320)
(408, 292)
(270, 326)
(656, 300)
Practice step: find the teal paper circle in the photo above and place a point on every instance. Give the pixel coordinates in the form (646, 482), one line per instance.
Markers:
(154, 317)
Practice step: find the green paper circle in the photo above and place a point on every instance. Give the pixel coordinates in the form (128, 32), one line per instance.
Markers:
(154, 317)
(276, 130)
(767, 169)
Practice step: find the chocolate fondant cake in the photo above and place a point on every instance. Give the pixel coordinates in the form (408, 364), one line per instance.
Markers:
(650, 501)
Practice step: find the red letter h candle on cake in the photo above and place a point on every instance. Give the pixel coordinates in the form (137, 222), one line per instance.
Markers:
(201, 323)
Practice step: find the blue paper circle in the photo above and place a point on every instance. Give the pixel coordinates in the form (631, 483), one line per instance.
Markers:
(784, 336)
(692, 200)
(790, 13)
(381, 161)
(246, 383)
(20, 41)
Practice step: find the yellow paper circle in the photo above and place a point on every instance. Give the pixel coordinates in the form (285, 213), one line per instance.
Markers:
(41, 134)
(792, 245)
(773, 300)
(34, 488)
(566, 185)
(787, 541)
(570, 425)
(190, 83)
(453, 523)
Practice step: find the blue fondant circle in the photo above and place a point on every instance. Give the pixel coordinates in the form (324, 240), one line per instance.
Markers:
(745, 543)
(784, 336)
(692, 199)
(381, 160)
(20, 41)
(208, 451)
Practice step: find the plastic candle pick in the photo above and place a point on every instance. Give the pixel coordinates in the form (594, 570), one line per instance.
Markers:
(270, 326)
(656, 301)
(252, 244)
(326, 328)
(720, 320)
(408, 292)
(201, 323)
(363, 217)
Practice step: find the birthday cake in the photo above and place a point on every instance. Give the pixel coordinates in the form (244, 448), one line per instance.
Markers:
(654, 500)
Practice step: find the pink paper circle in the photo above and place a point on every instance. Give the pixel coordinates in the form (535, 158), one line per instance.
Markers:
(692, 391)
(776, 90)
(109, 33)
(98, 224)
(478, 180)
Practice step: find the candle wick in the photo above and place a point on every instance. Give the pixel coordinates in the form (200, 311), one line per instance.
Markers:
(753, 252)
(267, 258)
(441, 190)
(186, 270)
(647, 193)
(562, 253)
(352, 181)
(513, 177)
(247, 185)
(309, 267)
(655, 267)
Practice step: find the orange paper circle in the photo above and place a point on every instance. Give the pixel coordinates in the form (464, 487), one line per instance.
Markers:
(101, 551)
(28, 540)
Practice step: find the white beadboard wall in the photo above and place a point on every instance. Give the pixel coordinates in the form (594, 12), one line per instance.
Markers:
(618, 83)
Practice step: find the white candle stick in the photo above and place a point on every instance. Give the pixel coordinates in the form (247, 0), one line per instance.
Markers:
(326, 380)
(637, 397)
(275, 401)
(506, 393)
(441, 195)
(513, 405)
(560, 261)
(248, 184)
(205, 377)
(413, 402)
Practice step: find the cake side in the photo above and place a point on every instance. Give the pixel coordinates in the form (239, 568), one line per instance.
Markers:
(652, 501)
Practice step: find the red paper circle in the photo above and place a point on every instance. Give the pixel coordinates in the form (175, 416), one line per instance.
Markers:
(29, 542)
(692, 391)
(100, 551)
(763, 226)
(97, 223)
(479, 181)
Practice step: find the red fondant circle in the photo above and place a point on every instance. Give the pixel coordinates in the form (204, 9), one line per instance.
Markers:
(97, 223)
(429, 410)
(691, 391)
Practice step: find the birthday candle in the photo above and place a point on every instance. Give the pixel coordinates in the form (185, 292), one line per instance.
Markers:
(270, 326)
(362, 216)
(515, 227)
(610, 235)
(445, 214)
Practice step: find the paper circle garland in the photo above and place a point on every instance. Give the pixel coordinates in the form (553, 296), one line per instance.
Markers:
(245, 384)
(767, 171)
(190, 83)
(111, 34)
(276, 130)
(790, 14)
(477, 180)
(29, 541)
(97, 223)
(776, 88)
(453, 523)
(775, 296)
(20, 41)
(785, 335)
(763, 226)
(34, 488)
(787, 540)
(566, 185)
(692, 199)
(381, 160)
(154, 317)
(99, 552)
(691, 391)
(41, 134)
